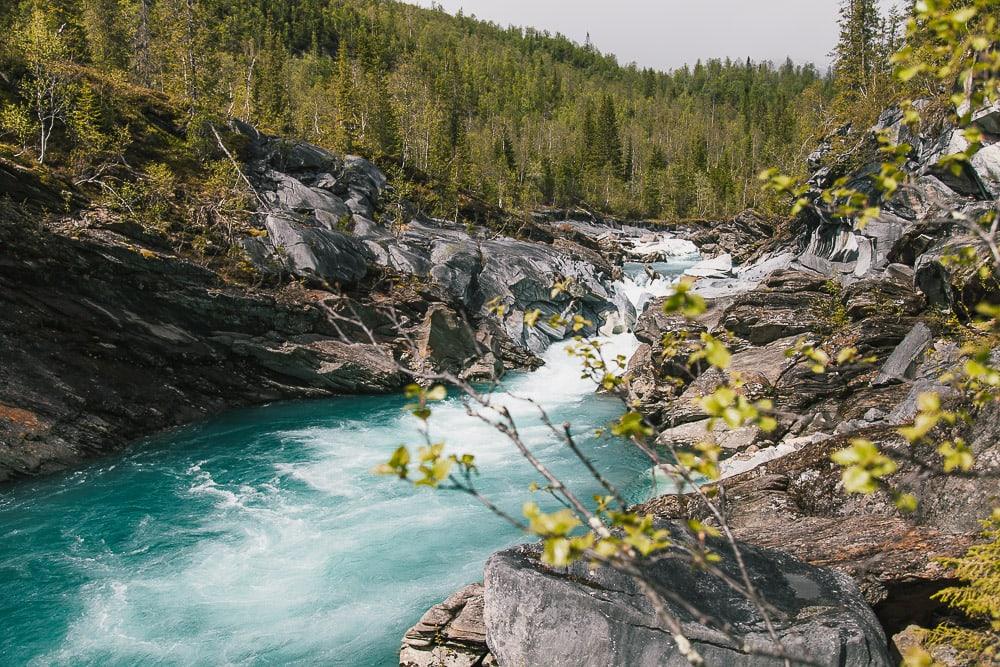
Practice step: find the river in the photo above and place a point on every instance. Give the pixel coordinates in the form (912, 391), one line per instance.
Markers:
(262, 537)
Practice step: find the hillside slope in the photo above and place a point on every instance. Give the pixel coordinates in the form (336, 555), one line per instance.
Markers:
(515, 116)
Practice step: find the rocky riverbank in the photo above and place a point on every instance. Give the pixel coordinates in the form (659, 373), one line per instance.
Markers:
(109, 334)
(887, 290)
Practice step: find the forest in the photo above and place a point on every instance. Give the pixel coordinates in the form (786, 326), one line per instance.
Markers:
(515, 117)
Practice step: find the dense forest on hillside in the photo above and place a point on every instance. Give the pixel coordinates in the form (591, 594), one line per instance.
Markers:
(513, 116)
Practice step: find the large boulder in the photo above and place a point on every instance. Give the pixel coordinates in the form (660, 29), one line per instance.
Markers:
(986, 162)
(536, 615)
(964, 179)
(315, 253)
(903, 359)
(325, 364)
(741, 236)
(718, 267)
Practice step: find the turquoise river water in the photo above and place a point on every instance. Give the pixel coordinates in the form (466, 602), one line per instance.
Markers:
(262, 537)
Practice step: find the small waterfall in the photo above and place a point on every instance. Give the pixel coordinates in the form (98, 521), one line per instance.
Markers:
(643, 282)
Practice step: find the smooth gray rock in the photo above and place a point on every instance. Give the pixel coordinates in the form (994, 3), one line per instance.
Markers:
(988, 118)
(900, 273)
(967, 181)
(986, 162)
(292, 194)
(540, 616)
(898, 367)
(317, 253)
(920, 197)
(447, 343)
(884, 232)
(944, 357)
(865, 259)
(786, 304)
(301, 156)
(719, 267)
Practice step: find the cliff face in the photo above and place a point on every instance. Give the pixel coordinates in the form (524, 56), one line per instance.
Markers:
(102, 341)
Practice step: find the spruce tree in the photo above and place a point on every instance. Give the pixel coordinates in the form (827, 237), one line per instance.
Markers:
(609, 142)
(346, 129)
(855, 55)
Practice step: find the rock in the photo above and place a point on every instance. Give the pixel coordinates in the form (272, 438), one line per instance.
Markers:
(740, 237)
(787, 303)
(312, 199)
(293, 195)
(796, 503)
(759, 369)
(102, 345)
(901, 362)
(596, 616)
(883, 232)
(330, 365)
(940, 359)
(922, 197)
(875, 297)
(661, 249)
(446, 343)
(316, 253)
(914, 638)
(720, 267)
(874, 415)
(986, 162)
(988, 118)
(450, 634)
(518, 275)
(967, 181)
(691, 433)
(656, 374)
(300, 156)
(838, 392)
(948, 284)
(900, 273)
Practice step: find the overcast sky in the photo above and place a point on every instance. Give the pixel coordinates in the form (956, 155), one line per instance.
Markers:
(668, 33)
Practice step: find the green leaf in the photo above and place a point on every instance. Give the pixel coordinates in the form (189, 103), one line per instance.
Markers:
(631, 424)
(437, 393)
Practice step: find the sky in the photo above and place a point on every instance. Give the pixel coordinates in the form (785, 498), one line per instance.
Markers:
(665, 34)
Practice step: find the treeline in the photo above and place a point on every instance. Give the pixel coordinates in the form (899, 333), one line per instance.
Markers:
(517, 117)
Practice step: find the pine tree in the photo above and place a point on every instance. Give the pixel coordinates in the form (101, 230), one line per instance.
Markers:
(547, 182)
(103, 23)
(346, 127)
(855, 54)
(503, 150)
(628, 163)
(590, 140)
(978, 597)
(609, 142)
(384, 123)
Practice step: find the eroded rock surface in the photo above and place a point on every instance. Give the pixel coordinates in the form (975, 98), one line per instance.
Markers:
(538, 615)
(450, 634)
